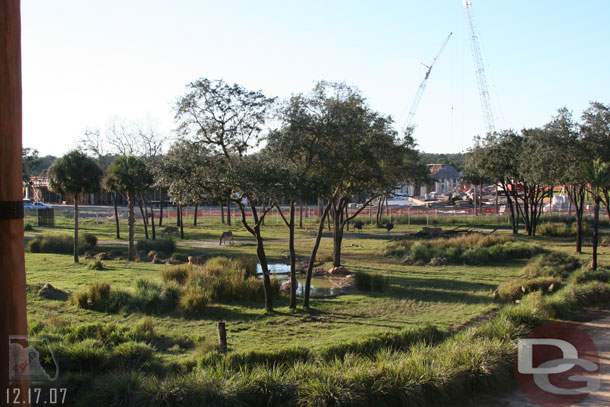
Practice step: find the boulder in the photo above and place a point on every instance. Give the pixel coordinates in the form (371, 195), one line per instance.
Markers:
(47, 290)
(338, 271)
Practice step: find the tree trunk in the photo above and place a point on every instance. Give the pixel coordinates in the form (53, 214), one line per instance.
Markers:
(152, 220)
(338, 223)
(595, 232)
(12, 260)
(301, 216)
(143, 217)
(75, 228)
(195, 217)
(312, 259)
(160, 207)
(116, 214)
(293, 268)
(131, 222)
(181, 222)
(229, 213)
(222, 213)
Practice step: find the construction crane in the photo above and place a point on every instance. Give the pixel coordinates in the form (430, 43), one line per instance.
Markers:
(479, 68)
(422, 86)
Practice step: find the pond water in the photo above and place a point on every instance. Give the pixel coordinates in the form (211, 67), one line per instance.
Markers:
(320, 285)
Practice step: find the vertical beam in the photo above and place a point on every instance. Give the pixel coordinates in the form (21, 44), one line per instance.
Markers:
(13, 319)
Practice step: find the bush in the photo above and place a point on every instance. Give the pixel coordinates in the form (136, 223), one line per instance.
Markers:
(28, 227)
(177, 274)
(370, 282)
(193, 302)
(131, 355)
(153, 298)
(474, 249)
(160, 245)
(550, 264)
(554, 229)
(585, 275)
(585, 228)
(515, 289)
(178, 258)
(62, 244)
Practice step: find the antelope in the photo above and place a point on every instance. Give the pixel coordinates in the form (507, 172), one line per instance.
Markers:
(225, 236)
(358, 225)
(168, 230)
(389, 226)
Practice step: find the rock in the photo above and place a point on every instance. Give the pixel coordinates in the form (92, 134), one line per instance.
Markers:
(523, 289)
(338, 271)
(552, 288)
(350, 276)
(319, 272)
(495, 294)
(285, 286)
(196, 260)
(89, 254)
(47, 290)
(517, 301)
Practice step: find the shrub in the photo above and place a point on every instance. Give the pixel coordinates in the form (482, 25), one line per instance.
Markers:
(177, 274)
(585, 228)
(131, 354)
(370, 282)
(515, 289)
(193, 302)
(153, 298)
(28, 227)
(554, 229)
(585, 275)
(160, 245)
(62, 244)
(99, 292)
(90, 240)
(178, 258)
(474, 249)
(550, 264)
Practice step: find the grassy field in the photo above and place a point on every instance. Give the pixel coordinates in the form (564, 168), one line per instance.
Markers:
(444, 296)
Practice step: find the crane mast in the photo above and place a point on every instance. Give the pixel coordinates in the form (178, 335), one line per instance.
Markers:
(479, 69)
(422, 86)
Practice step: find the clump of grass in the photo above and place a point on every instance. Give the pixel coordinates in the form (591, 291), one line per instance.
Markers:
(474, 249)
(554, 229)
(554, 264)
(370, 282)
(221, 279)
(515, 289)
(61, 244)
(153, 298)
(585, 275)
(167, 246)
(324, 257)
(177, 274)
(194, 301)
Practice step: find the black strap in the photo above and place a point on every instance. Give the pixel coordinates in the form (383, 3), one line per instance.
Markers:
(11, 210)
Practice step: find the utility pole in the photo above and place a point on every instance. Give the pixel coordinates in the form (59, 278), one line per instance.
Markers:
(13, 315)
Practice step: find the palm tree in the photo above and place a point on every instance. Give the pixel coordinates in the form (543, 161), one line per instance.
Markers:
(74, 174)
(129, 174)
(597, 175)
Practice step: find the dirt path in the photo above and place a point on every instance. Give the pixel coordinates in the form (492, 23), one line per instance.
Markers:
(599, 331)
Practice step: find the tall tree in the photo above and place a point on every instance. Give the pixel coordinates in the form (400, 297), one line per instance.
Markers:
(75, 174)
(597, 174)
(129, 174)
(595, 130)
(229, 120)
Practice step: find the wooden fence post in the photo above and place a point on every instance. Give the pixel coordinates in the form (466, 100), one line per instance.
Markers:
(222, 337)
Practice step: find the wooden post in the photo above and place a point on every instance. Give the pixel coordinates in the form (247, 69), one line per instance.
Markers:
(222, 337)
(12, 257)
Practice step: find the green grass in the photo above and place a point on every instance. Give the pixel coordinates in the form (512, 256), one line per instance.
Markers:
(442, 296)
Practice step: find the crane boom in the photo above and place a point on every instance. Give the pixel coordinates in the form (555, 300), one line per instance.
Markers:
(479, 69)
(422, 86)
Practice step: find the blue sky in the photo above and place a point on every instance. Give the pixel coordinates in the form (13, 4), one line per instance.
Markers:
(86, 62)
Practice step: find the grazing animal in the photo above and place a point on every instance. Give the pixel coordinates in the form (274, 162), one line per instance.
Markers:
(226, 235)
(195, 260)
(389, 226)
(168, 230)
(358, 225)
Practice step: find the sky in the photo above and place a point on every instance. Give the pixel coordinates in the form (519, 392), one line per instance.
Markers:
(87, 63)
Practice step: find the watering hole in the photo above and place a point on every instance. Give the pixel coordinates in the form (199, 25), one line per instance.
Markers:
(321, 286)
